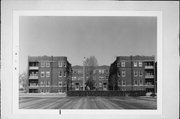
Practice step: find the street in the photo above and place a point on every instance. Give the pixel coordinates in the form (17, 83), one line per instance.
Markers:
(87, 102)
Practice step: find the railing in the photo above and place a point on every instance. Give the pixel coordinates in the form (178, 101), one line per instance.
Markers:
(149, 67)
(33, 77)
(33, 67)
(149, 76)
(33, 86)
(149, 86)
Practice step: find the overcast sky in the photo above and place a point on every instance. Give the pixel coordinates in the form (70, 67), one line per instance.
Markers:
(78, 37)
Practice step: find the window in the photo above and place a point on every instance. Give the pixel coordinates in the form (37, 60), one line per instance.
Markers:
(47, 91)
(60, 74)
(73, 78)
(119, 83)
(41, 91)
(60, 83)
(140, 82)
(119, 73)
(45, 83)
(123, 73)
(123, 82)
(135, 82)
(64, 73)
(135, 73)
(75, 71)
(48, 83)
(42, 64)
(135, 64)
(107, 71)
(41, 83)
(42, 74)
(100, 84)
(102, 71)
(104, 85)
(64, 84)
(47, 74)
(64, 64)
(59, 64)
(59, 90)
(141, 73)
(47, 64)
(79, 71)
(94, 71)
(140, 64)
(118, 64)
(122, 64)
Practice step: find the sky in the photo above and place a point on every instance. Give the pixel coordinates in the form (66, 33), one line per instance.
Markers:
(77, 37)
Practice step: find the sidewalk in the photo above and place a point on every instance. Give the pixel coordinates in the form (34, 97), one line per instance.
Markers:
(42, 94)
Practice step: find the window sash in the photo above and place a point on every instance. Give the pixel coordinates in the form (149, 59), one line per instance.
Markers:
(42, 74)
(123, 73)
(47, 74)
(123, 64)
(43, 64)
(47, 64)
(135, 64)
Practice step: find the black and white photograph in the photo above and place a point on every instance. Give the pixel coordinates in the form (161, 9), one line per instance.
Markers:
(88, 62)
(90, 59)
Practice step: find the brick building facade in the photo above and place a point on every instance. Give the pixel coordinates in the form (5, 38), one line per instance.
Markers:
(100, 77)
(129, 73)
(48, 74)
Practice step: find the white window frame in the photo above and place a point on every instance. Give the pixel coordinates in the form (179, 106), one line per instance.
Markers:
(60, 83)
(140, 64)
(59, 90)
(135, 81)
(48, 74)
(100, 84)
(105, 86)
(123, 64)
(123, 83)
(48, 83)
(43, 63)
(42, 84)
(60, 72)
(141, 82)
(118, 64)
(64, 84)
(123, 73)
(141, 73)
(64, 64)
(135, 73)
(60, 63)
(42, 72)
(47, 64)
(64, 73)
(119, 74)
(135, 64)
(102, 71)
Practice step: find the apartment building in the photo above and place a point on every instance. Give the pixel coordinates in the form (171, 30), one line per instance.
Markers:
(100, 77)
(128, 73)
(48, 74)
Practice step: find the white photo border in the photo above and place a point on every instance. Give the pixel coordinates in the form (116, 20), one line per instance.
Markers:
(18, 13)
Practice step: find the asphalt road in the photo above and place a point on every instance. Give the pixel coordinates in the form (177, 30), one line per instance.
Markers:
(87, 103)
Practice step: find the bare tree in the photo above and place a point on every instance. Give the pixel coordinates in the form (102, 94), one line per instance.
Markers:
(91, 63)
(23, 80)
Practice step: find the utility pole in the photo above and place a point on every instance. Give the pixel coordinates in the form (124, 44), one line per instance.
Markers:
(84, 75)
